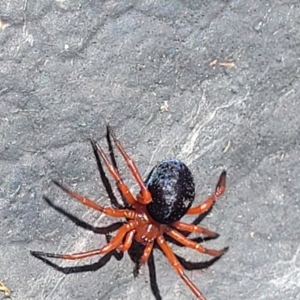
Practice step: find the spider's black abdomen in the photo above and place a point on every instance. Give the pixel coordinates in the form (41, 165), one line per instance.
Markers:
(172, 187)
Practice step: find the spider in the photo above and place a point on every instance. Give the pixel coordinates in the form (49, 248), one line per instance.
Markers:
(164, 198)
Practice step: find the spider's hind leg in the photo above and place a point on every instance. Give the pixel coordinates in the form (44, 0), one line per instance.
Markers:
(207, 205)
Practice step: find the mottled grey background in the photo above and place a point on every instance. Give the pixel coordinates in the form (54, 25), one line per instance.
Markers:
(68, 68)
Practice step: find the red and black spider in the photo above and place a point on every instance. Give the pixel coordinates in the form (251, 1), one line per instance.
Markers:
(165, 197)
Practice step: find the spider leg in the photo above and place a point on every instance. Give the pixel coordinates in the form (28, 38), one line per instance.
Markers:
(146, 253)
(116, 213)
(128, 241)
(105, 180)
(204, 207)
(115, 174)
(193, 228)
(146, 196)
(114, 162)
(191, 244)
(115, 242)
(177, 266)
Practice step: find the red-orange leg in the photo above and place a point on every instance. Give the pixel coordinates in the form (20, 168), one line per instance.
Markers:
(193, 228)
(128, 241)
(193, 245)
(204, 207)
(116, 213)
(115, 242)
(115, 174)
(177, 266)
(146, 253)
(146, 196)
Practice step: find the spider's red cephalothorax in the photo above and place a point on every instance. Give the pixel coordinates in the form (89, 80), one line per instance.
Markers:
(164, 198)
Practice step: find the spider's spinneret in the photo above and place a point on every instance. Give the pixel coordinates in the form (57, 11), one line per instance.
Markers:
(172, 187)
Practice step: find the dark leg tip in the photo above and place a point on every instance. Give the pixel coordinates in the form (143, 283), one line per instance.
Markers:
(136, 270)
(111, 132)
(225, 250)
(93, 142)
(96, 146)
(39, 254)
(220, 188)
(56, 182)
(36, 253)
(224, 173)
(216, 235)
(60, 185)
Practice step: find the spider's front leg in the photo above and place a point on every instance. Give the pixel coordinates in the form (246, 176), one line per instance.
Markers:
(204, 207)
(113, 244)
